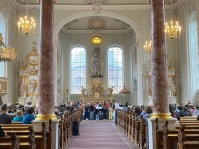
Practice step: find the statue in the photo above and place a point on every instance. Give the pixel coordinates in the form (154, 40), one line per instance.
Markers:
(110, 91)
(33, 86)
(96, 64)
(83, 91)
(100, 67)
(22, 89)
(173, 89)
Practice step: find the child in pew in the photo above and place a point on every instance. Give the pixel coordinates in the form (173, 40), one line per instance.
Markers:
(29, 117)
(18, 117)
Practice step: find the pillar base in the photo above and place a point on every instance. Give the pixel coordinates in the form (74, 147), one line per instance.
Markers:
(161, 122)
(46, 117)
(37, 126)
(163, 116)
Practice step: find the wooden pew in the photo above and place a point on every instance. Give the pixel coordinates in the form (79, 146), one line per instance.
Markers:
(13, 144)
(188, 117)
(184, 143)
(133, 127)
(130, 125)
(61, 139)
(137, 130)
(169, 137)
(142, 133)
(26, 132)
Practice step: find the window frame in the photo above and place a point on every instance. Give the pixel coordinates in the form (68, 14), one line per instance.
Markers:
(122, 69)
(70, 68)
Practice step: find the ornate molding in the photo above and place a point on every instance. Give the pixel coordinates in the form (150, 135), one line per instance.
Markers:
(97, 5)
(191, 8)
(34, 11)
(3, 10)
(31, 12)
(96, 23)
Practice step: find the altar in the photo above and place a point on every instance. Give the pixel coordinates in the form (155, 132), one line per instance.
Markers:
(96, 92)
(93, 100)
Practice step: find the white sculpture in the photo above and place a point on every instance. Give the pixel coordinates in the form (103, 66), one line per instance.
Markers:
(33, 86)
(96, 64)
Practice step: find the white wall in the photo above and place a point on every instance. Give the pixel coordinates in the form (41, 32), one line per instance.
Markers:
(183, 53)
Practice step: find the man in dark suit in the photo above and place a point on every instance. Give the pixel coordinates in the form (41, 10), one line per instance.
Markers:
(4, 117)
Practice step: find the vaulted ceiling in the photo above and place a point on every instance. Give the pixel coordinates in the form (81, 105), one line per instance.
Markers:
(83, 24)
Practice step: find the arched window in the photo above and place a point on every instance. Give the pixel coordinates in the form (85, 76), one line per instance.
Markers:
(194, 53)
(115, 68)
(77, 69)
(3, 32)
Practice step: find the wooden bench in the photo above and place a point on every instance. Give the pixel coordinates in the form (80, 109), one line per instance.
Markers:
(25, 133)
(13, 144)
(169, 137)
(184, 142)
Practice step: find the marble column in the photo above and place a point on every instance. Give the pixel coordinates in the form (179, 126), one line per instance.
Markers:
(159, 62)
(47, 62)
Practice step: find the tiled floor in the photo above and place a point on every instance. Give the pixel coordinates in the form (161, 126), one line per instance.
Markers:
(101, 135)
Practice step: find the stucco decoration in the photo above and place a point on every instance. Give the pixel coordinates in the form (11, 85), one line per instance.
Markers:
(96, 23)
(28, 78)
(191, 8)
(3, 10)
(31, 12)
(97, 5)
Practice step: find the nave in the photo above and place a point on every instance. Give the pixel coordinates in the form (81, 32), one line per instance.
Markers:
(101, 135)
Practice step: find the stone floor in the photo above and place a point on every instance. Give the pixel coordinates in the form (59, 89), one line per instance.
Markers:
(101, 135)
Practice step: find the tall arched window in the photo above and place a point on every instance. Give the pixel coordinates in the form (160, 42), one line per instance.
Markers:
(3, 31)
(77, 69)
(194, 53)
(115, 68)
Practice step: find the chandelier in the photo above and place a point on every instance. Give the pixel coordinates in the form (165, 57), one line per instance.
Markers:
(26, 25)
(96, 39)
(148, 46)
(6, 53)
(172, 29)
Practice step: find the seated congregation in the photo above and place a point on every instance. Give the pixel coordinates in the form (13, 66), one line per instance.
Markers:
(16, 129)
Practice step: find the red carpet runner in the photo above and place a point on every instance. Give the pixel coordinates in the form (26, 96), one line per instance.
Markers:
(98, 135)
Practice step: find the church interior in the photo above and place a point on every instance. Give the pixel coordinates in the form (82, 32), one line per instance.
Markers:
(141, 53)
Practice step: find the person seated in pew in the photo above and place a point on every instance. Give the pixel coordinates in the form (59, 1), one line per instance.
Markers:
(174, 114)
(196, 112)
(184, 111)
(148, 112)
(18, 117)
(29, 117)
(4, 117)
(137, 112)
(2, 133)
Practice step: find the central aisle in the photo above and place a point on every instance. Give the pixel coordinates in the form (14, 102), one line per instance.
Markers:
(100, 135)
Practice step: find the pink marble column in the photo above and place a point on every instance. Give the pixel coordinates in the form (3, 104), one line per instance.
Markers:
(47, 62)
(159, 61)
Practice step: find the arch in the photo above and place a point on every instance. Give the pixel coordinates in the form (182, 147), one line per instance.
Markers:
(118, 16)
(110, 14)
